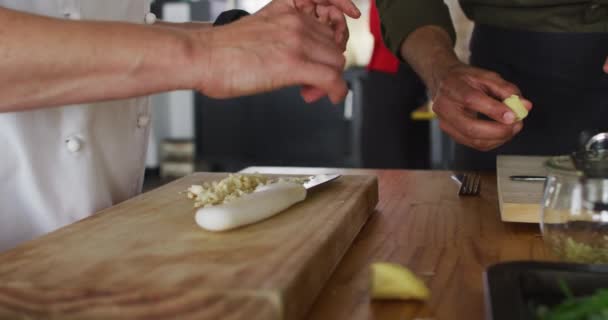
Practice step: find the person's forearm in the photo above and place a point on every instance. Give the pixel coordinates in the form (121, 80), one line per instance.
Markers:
(429, 52)
(48, 62)
(193, 25)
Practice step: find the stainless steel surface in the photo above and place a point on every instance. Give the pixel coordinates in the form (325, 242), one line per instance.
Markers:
(457, 177)
(470, 184)
(600, 138)
(593, 162)
(317, 180)
(529, 178)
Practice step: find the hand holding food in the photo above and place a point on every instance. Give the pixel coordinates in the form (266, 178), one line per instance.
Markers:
(328, 12)
(465, 91)
(331, 13)
(277, 47)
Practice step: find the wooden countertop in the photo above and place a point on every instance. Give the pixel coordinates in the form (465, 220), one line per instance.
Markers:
(421, 223)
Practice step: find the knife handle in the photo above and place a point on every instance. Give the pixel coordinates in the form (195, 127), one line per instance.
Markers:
(528, 178)
(259, 205)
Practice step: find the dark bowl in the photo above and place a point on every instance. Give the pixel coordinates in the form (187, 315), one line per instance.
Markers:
(514, 290)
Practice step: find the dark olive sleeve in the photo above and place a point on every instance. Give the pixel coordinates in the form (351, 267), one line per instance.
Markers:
(399, 18)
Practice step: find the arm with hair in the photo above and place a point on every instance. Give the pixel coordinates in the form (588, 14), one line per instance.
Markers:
(458, 91)
(47, 62)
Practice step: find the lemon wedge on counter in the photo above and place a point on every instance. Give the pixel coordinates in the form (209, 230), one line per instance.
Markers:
(515, 104)
(393, 281)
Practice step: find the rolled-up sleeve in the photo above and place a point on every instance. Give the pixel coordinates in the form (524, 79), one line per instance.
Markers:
(399, 18)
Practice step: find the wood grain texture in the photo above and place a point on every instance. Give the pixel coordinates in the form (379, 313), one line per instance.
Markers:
(520, 201)
(147, 259)
(421, 223)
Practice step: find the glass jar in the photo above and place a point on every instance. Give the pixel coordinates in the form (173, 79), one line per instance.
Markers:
(574, 217)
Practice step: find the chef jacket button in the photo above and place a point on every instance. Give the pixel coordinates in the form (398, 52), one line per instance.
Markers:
(73, 144)
(143, 121)
(150, 18)
(72, 15)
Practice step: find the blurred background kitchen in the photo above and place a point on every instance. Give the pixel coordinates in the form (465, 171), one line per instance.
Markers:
(383, 123)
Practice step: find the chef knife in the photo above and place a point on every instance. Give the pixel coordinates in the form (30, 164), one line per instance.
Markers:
(320, 179)
(528, 178)
(263, 203)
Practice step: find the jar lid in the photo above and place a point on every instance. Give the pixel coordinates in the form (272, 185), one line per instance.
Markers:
(562, 165)
(592, 163)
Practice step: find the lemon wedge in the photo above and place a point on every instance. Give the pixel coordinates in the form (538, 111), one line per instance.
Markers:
(393, 281)
(514, 103)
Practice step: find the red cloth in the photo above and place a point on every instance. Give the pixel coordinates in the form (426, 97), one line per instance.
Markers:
(382, 59)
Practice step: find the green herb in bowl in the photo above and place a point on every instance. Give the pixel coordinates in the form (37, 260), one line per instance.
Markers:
(594, 307)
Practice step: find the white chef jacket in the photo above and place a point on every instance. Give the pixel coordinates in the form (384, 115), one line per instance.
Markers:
(63, 164)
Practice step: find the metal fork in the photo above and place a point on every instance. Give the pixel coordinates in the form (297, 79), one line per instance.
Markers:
(470, 184)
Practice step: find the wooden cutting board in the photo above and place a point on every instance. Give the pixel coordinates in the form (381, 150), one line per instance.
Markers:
(520, 201)
(147, 259)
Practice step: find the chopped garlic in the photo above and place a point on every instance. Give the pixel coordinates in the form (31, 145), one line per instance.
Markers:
(196, 189)
(230, 188)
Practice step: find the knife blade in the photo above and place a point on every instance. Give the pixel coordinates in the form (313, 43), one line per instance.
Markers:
(320, 179)
(528, 178)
